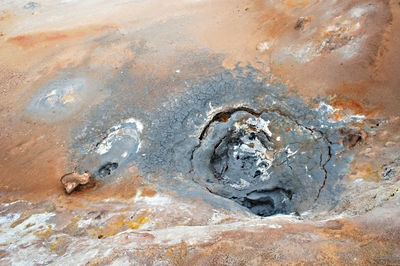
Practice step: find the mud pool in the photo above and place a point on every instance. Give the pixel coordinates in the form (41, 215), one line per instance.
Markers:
(199, 132)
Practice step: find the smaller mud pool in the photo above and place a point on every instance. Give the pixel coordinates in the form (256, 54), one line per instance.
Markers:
(116, 147)
(59, 99)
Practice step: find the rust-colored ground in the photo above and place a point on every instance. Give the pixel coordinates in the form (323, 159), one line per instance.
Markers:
(346, 51)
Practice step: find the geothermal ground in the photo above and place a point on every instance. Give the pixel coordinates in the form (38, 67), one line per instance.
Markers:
(199, 132)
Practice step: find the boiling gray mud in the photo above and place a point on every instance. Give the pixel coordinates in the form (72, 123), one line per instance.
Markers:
(236, 134)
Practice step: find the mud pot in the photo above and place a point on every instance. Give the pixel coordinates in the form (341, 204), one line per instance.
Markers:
(199, 132)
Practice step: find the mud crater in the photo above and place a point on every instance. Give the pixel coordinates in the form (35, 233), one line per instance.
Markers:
(265, 161)
(290, 152)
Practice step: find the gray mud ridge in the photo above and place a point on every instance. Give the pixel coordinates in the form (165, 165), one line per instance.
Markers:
(235, 134)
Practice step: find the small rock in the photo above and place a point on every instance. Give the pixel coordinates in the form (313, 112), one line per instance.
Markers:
(301, 22)
(262, 46)
(72, 180)
(391, 171)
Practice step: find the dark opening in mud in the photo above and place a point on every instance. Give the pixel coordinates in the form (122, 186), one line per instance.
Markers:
(265, 161)
(268, 202)
(107, 169)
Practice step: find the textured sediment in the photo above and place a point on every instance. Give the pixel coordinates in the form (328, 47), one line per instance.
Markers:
(199, 132)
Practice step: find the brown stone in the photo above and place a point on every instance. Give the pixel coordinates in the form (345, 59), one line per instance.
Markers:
(73, 180)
